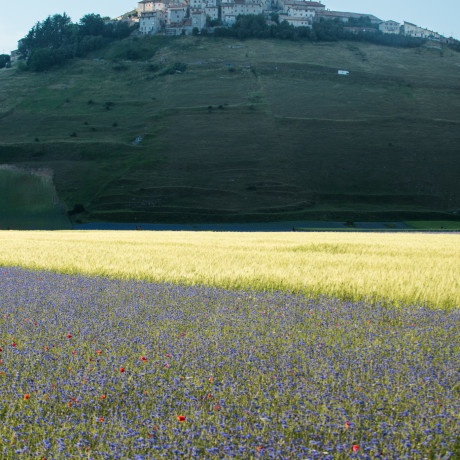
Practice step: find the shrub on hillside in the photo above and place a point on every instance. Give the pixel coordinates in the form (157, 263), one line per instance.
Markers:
(44, 58)
(153, 67)
(177, 67)
(119, 68)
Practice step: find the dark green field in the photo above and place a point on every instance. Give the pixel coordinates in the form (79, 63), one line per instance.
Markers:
(251, 131)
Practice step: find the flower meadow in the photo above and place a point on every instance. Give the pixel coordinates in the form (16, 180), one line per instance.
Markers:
(99, 368)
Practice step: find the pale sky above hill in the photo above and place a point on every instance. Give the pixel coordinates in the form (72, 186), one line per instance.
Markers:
(442, 16)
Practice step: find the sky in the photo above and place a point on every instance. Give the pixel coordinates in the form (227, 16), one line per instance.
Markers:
(442, 16)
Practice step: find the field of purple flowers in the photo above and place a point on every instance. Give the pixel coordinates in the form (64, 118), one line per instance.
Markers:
(107, 369)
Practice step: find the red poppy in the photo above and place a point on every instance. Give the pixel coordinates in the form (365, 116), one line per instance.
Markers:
(13, 344)
(347, 425)
(98, 352)
(122, 369)
(26, 397)
(143, 358)
(103, 396)
(355, 448)
(69, 336)
(181, 418)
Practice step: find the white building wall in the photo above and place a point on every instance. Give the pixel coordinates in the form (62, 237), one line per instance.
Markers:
(148, 7)
(296, 12)
(198, 19)
(297, 21)
(229, 19)
(196, 3)
(212, 12)
(231, 10)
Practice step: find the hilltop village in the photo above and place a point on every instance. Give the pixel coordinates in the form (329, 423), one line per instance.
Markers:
(176, 17)
(185, 17)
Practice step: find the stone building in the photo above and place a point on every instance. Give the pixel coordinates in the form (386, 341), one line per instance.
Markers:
(390, 27)
(411, 30)
(152, 22)
(181, 16)
(230, 11)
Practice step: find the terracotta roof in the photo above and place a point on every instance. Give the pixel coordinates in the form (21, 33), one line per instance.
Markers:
(304, 4)
(232, 5)
(314, 4)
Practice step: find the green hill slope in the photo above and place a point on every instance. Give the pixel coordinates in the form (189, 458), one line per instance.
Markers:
(254, 130)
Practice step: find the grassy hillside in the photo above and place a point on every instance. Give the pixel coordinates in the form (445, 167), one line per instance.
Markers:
(254, 130)
(28, 200)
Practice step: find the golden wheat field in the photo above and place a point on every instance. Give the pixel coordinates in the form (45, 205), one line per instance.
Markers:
(398, 267)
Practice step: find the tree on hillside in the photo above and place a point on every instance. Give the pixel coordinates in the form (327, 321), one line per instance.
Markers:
(4, 60)
(275, 17)
(54, 32)
(329, 30)
(56, 39)
(364, 21)
(119, 30)
(92, 24)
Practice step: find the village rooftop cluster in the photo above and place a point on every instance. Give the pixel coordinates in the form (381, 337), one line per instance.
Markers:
(176, 17)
